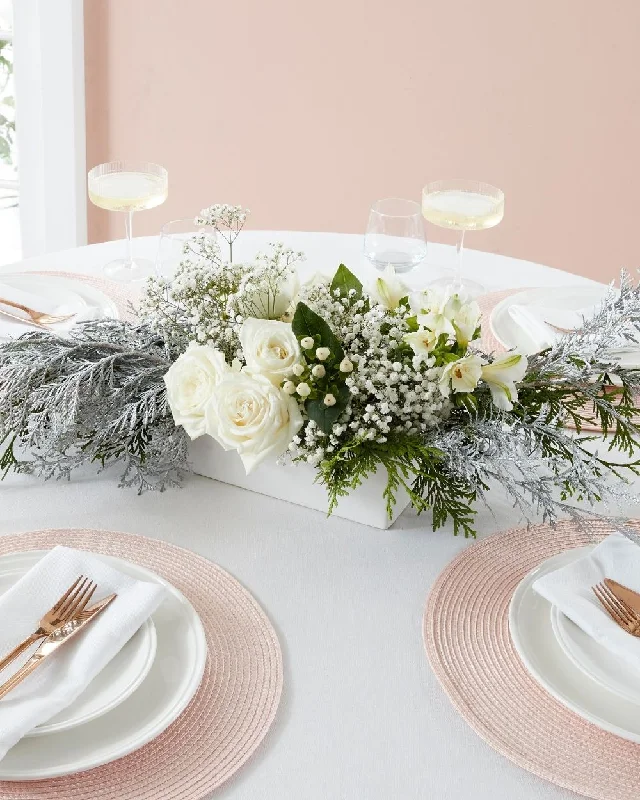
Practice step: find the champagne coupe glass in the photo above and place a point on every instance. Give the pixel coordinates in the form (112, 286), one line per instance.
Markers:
(128, 186)
(395, 234)
(176, 242)
(462, 205)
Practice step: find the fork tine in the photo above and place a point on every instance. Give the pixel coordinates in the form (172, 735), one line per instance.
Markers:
(624, 610)
(66, 594)
(70, 612)
(611, 611)
(82, 602)
(71, 599)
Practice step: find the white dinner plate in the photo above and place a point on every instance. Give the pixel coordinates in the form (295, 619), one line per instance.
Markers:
(545, 660)
(511, 335)
(595, 660)
(172, 681)
(119, 679)
(74, 296)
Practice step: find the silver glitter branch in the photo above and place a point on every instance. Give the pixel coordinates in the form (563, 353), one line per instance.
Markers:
(98, 396)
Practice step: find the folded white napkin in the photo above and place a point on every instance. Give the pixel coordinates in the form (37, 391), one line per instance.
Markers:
(74, 304)
(569, 588)
(59, 680)
(533, 319)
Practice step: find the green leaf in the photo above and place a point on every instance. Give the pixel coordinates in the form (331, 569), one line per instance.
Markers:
(325, 417)
(307, 323)
(412, 323)
(344, 280)
(8, 101)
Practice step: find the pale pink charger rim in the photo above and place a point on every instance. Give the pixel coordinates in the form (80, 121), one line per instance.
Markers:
(235, 704)
(466, 637)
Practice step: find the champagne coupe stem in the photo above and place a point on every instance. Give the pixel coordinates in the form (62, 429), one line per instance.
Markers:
(128, 263)
(457, 280)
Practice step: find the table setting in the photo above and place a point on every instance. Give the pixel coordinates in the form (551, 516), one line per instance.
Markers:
(367, 390)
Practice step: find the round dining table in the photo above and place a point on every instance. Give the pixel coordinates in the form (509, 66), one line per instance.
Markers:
(362, 716)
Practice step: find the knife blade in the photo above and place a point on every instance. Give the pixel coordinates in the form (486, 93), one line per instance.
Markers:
(624, 594)
(54, 641)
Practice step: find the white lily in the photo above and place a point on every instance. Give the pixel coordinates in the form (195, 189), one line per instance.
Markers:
(465, 322)
(502, 375)
(388, 290)
(436, 309)
(461, 375)
(421, 342)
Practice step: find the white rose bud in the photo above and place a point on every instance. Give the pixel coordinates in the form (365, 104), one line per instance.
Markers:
(329, 400)
(323, 353)
(289, 387)
(303, 389)
(318, 371)
(307, 342)
(346, 365)
(297, 369)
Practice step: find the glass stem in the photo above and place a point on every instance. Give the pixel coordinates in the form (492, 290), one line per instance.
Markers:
(128, 261)
(457, 280)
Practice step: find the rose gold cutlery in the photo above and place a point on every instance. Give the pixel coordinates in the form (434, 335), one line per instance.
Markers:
(54, 641)
(620, 611)
(624, 594)
(39, 318)
(72, 603)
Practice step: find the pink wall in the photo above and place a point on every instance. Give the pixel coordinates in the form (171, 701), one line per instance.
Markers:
(307, 112)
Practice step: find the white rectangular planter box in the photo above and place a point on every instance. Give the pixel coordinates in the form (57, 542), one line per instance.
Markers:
(295, 484)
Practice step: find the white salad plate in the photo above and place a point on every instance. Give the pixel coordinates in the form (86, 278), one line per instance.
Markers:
(171, 682)
(119, 679)
(512, 335)
(69, 295)
(595, 660)
(544, 658)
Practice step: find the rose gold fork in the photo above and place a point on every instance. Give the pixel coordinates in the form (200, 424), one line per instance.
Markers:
(617, 609)
(37, 317)
(57, 639)
(72, 603)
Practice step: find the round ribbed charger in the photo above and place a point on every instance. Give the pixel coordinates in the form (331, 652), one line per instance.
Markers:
(466, 635)
(233, 707)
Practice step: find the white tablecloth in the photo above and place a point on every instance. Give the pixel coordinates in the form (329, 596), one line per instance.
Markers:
(362, 717)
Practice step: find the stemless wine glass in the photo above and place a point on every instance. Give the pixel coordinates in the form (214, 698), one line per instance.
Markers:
(128, 186)
(175, 243)
(462, 206)
(395, 234)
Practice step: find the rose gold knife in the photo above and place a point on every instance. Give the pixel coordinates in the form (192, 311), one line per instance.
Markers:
(54, 641)
(624, 594)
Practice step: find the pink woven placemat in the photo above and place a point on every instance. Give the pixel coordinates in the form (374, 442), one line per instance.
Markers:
(232, 709)
(466, 635)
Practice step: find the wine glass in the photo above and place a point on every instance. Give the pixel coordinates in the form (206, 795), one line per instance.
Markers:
(175, 243)
(462, 206)
(395, 234)
(128, 186)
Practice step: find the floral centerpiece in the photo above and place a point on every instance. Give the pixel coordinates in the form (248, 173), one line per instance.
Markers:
(347, 378)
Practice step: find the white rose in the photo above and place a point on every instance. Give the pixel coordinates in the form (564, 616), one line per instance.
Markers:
(249, 414)
(270, 348)
(461, 375)
(190, 382)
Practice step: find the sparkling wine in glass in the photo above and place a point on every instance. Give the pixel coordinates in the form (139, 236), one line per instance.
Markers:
(462, 206)
(128, 186)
